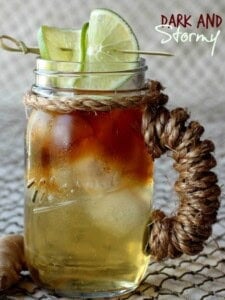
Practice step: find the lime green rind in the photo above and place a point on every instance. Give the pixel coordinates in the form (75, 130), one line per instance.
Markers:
(41, 43)
(84, 31)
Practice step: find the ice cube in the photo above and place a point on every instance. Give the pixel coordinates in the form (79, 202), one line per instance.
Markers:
(121, 211)
(88, 174)
(63, 177)
(69, 130)
(93, 174)
(39, 125)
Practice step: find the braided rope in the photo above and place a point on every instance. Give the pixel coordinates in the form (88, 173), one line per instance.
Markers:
(164, 130)
(152, 96)
(196, 186)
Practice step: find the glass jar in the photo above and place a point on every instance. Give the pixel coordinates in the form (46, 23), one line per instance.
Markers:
(89, 180)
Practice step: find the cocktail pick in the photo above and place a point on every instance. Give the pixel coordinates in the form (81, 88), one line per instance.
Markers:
(20, 46)
(146, 52)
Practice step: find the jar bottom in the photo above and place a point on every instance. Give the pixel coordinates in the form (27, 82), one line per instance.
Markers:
(110, 289)
(127, 288)
(94, 287)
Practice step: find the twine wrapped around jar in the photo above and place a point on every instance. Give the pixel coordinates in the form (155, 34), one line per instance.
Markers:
(164, 130)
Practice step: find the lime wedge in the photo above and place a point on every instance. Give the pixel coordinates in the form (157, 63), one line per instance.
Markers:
(107, 35)
(60, 44)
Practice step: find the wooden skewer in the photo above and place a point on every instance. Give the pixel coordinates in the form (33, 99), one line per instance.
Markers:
(20, 46)
(146, 52)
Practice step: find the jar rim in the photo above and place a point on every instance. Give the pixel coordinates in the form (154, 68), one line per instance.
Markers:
(118, 75)
(56, 68)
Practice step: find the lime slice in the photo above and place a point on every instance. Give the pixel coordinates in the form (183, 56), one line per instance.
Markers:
(60, 44)
(107, 35)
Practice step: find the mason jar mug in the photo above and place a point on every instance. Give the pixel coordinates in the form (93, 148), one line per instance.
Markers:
(89, 180)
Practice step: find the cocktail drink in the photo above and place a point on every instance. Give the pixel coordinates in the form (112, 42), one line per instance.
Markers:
(88, 201)
(89, 174)
(89, 187)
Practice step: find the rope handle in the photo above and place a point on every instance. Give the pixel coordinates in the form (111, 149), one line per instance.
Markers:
(191, 226)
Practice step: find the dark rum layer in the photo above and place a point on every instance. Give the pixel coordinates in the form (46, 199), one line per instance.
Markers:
(115, 136)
